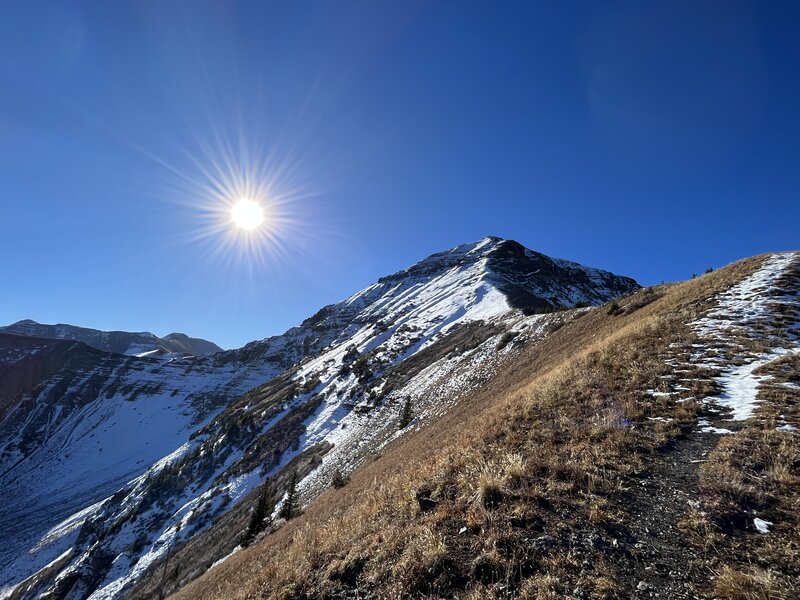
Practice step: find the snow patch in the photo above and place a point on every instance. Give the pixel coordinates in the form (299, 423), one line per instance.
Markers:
(761, 525)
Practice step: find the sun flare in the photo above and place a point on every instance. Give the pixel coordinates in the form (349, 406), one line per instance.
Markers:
(247, 214)
(245, 202)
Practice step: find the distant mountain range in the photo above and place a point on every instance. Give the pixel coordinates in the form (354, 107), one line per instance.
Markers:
(120, 342)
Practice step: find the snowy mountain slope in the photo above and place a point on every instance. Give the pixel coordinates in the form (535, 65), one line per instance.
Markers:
(591, 442)
(336, 420)
(121, 342)
(97, 421)
(337, 438)
(353, 358)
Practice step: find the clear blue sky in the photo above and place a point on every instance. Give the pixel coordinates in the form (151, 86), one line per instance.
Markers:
(653, 139)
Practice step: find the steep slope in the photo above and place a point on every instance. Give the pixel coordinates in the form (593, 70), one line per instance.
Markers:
(120, 342)
(333, 388)
(598, 462)
(77, 423)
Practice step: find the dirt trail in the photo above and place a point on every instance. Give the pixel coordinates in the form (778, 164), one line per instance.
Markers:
(661, 564)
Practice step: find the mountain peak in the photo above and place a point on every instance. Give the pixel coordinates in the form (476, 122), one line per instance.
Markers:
(528, 279)
(469, 282)
(24, 322)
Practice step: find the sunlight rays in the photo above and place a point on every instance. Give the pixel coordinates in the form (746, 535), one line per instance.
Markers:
(243, 201)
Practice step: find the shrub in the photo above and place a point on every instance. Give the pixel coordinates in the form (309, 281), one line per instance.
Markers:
(339, 480)
(406, 415)
(506, 338)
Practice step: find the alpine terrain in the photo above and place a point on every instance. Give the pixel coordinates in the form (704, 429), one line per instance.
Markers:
(121, 342)
(487, 423)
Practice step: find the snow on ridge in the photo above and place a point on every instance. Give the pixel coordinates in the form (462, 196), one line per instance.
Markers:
(745, 302)
(740, 308)
(457, 293)
(740, 384)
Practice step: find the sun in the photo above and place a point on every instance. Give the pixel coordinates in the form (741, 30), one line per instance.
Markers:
(247, 214)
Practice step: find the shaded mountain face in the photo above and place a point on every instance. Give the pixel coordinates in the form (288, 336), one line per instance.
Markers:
(180, 342)
(120, 342)
(94, 441)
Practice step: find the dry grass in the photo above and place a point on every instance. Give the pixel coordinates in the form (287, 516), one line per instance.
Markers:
(754, 473)
(753, 584)
(503, 495)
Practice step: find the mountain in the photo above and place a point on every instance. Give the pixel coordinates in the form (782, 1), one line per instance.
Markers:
(120, 342)
(109, 463)
(183, 344)
(647, 448)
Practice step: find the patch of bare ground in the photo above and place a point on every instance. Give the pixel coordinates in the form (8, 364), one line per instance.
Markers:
(564, 476)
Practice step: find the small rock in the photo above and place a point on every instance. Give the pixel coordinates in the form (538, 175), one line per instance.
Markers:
(543, 542)
(643, 586)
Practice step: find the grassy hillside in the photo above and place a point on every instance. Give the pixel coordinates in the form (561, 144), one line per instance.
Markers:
(572, 473)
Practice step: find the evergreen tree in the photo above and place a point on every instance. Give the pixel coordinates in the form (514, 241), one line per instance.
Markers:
(407, 414)
(262, 514)
(291, 507)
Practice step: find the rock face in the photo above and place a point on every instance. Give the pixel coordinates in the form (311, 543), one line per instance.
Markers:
(180, 342)
(120, 342)
(108, 461)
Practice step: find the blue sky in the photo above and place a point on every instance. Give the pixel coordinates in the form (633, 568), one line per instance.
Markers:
(652, 139)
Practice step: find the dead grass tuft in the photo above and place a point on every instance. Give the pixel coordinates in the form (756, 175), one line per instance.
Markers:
(753, 584)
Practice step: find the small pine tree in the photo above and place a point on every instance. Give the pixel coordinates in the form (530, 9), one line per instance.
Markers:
(407, 414)
(338, 480)
(290, 507)
(262, 514)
